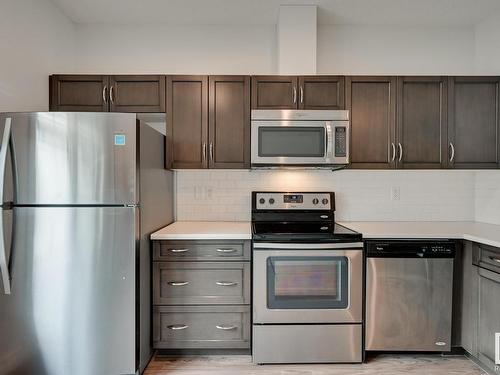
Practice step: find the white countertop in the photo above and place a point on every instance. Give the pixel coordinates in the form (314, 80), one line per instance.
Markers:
(488, 234)
(205, 230)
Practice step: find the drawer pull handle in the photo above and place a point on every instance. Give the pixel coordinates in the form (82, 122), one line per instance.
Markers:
(324, 216)
(226, 250)
(226, 283)
(177, 327)
(495, 259)
(178, 283)
(179, 250)
(226, 328)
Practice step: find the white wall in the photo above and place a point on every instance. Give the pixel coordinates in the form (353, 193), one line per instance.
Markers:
(36, 39)
(487, 46)
(487, 196)
(360, 195)
(345, 49)
(176, 49)
(253, 49)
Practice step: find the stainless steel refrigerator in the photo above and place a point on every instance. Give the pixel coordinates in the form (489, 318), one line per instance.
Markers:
(81, 194)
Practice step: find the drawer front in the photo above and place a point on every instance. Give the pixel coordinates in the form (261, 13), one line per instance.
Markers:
(489, 257)
(194, 250)
(201, 327)
(190, 283)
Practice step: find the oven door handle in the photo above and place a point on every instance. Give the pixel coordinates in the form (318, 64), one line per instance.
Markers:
(299, 246)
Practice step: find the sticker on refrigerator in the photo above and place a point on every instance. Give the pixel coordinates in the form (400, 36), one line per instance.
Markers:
(120, 139)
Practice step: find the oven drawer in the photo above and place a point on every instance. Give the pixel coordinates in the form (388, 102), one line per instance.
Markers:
(201, 327)
(201, 250)
(307, 343)
(193, 283)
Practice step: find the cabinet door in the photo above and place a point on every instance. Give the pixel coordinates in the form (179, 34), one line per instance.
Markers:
(274, 92)
(137, 93)
(81, 93)
(469, 300)
(489, 315)
(321, 92)
(473, 122)
(187, 121)
(422, 120)
(371, 102)
(229, 121)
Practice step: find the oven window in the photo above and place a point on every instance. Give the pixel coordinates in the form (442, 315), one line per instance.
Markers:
(307, 282)
(296, 141)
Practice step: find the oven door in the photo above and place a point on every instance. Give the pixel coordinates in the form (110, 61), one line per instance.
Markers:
(298, 142)
(307, 283)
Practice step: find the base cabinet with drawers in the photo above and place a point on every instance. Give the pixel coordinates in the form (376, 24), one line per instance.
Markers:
(480, 312)
(201, 294)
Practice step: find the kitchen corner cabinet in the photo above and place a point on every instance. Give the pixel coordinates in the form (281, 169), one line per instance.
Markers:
(473, 130)
(371, 102)
(208, 121)
(422, 122)
(102, 93)
(297, 92)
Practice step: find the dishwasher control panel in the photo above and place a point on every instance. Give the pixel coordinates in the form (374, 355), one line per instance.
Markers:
(410, 249)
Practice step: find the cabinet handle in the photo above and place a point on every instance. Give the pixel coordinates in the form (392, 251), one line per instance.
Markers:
(294, 94)
(226, 328)
(111, 94)
(226, 283)
(301, 94)
(452, 147)
(226, 250)
(400, 151)
(177, 327)
(323, 216)
(393, 151)
(211, 150)
(104, 98)
(178, 283)
(494, 259)
(204, 152)
(179, 250)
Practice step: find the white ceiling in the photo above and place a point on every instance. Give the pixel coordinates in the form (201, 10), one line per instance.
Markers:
(265, 12)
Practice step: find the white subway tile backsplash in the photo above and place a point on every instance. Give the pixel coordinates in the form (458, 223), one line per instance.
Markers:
(360, 195)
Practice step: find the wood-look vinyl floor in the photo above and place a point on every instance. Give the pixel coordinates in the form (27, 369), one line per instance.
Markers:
(380, 365)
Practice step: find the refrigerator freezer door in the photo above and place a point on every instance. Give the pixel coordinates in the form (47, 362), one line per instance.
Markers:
(72, 304)
(74, 158)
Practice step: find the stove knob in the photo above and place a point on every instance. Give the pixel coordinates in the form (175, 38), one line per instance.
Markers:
(324, 201)
(271, 200)
(262, 201)
(315, 201)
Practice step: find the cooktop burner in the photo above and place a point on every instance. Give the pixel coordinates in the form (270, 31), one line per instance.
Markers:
(297, 217)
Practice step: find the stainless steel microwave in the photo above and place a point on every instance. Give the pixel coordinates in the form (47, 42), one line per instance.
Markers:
(299, 138)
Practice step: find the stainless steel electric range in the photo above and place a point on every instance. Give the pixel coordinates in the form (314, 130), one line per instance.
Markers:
(307, 280)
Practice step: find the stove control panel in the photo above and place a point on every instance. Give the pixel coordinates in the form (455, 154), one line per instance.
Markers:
(293, 201)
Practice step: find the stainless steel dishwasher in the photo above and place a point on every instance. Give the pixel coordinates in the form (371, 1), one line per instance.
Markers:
(409, 295)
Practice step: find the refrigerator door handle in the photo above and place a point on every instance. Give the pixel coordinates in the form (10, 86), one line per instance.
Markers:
(4, 268)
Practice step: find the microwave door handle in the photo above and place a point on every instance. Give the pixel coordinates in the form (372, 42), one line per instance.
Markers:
(329, 138)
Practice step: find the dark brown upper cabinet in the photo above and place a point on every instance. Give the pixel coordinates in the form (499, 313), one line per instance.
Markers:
(422, 122)
(187, 121)
(292, 92)
(371, 102)
(473, 130)
(101, 93)
(137, 93)
(84, 93)
(208, 121)
(274, 92)
(321, 92)
(229, 121)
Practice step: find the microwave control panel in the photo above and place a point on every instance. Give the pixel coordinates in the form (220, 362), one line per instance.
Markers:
(340, 141)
